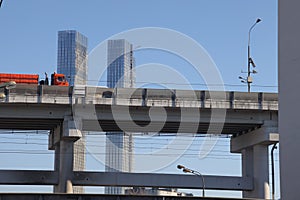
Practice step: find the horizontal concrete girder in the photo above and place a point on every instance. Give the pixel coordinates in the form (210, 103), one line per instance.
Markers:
(35, 177)
(161, 180)
(49, 116)
(28, 177)
(264, 135)
(187, 120)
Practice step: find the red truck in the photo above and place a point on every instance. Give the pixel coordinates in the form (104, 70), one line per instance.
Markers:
(56, 79)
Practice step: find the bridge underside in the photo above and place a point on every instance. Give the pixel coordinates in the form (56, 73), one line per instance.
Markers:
(172, 127)
(102, 119)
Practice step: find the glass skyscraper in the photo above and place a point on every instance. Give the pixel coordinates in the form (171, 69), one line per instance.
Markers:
(120, 74)
(72, 62)
(120, 62)
(72, 56)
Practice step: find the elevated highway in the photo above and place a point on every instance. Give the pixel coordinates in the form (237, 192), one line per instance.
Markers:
(168, 111)
(251, 119)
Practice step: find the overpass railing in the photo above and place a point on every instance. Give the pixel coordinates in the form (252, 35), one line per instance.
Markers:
(141, 97)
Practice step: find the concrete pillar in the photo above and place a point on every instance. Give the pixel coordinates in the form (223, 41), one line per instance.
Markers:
(65, 166)
(254, 147)
(64, 153)
(289, 95)
(57, 157)
(255, 164)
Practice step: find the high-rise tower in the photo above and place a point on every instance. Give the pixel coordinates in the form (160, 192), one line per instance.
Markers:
(120, 74)
(72, 56)
(72, 62)
(121, 63)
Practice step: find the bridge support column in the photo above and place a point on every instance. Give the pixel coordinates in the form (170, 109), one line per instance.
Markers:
(254, 147)
(64, 153)
(255, 163)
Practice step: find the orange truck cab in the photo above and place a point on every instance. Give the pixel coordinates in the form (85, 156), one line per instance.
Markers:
(59, 79)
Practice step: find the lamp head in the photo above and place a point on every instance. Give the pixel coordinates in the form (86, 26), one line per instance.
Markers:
(180, 167)
(258, 20)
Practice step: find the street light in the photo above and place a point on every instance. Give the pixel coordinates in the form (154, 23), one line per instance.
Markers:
(187, 170)
(250, 61)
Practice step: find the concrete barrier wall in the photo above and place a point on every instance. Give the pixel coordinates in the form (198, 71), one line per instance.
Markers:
(142, 97)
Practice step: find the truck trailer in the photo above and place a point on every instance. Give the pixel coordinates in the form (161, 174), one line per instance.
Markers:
(33, 79)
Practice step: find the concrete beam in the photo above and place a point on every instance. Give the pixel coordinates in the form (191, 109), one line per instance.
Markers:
(28, 177)
(161, 180)
(136, 119)
(54, 137)
(71, 128)
(45, 116)
(38, 177)
(262, 136)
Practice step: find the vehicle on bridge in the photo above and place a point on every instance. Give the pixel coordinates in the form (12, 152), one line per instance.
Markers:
(33, 79)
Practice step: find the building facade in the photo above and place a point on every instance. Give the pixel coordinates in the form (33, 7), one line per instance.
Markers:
(121, 74)
(72, 62)
(72, 56)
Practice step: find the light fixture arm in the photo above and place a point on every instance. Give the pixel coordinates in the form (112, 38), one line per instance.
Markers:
(257, 21)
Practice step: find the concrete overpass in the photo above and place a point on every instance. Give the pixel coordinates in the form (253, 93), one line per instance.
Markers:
(250, 117)
(184, 111)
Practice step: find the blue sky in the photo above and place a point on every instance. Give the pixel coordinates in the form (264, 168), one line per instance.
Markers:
(28, 42)
(29, 32)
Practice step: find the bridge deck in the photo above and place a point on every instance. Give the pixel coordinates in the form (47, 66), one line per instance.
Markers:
(167, 111)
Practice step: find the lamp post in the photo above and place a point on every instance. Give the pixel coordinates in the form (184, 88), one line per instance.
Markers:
(187, 170)
(250, 61)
